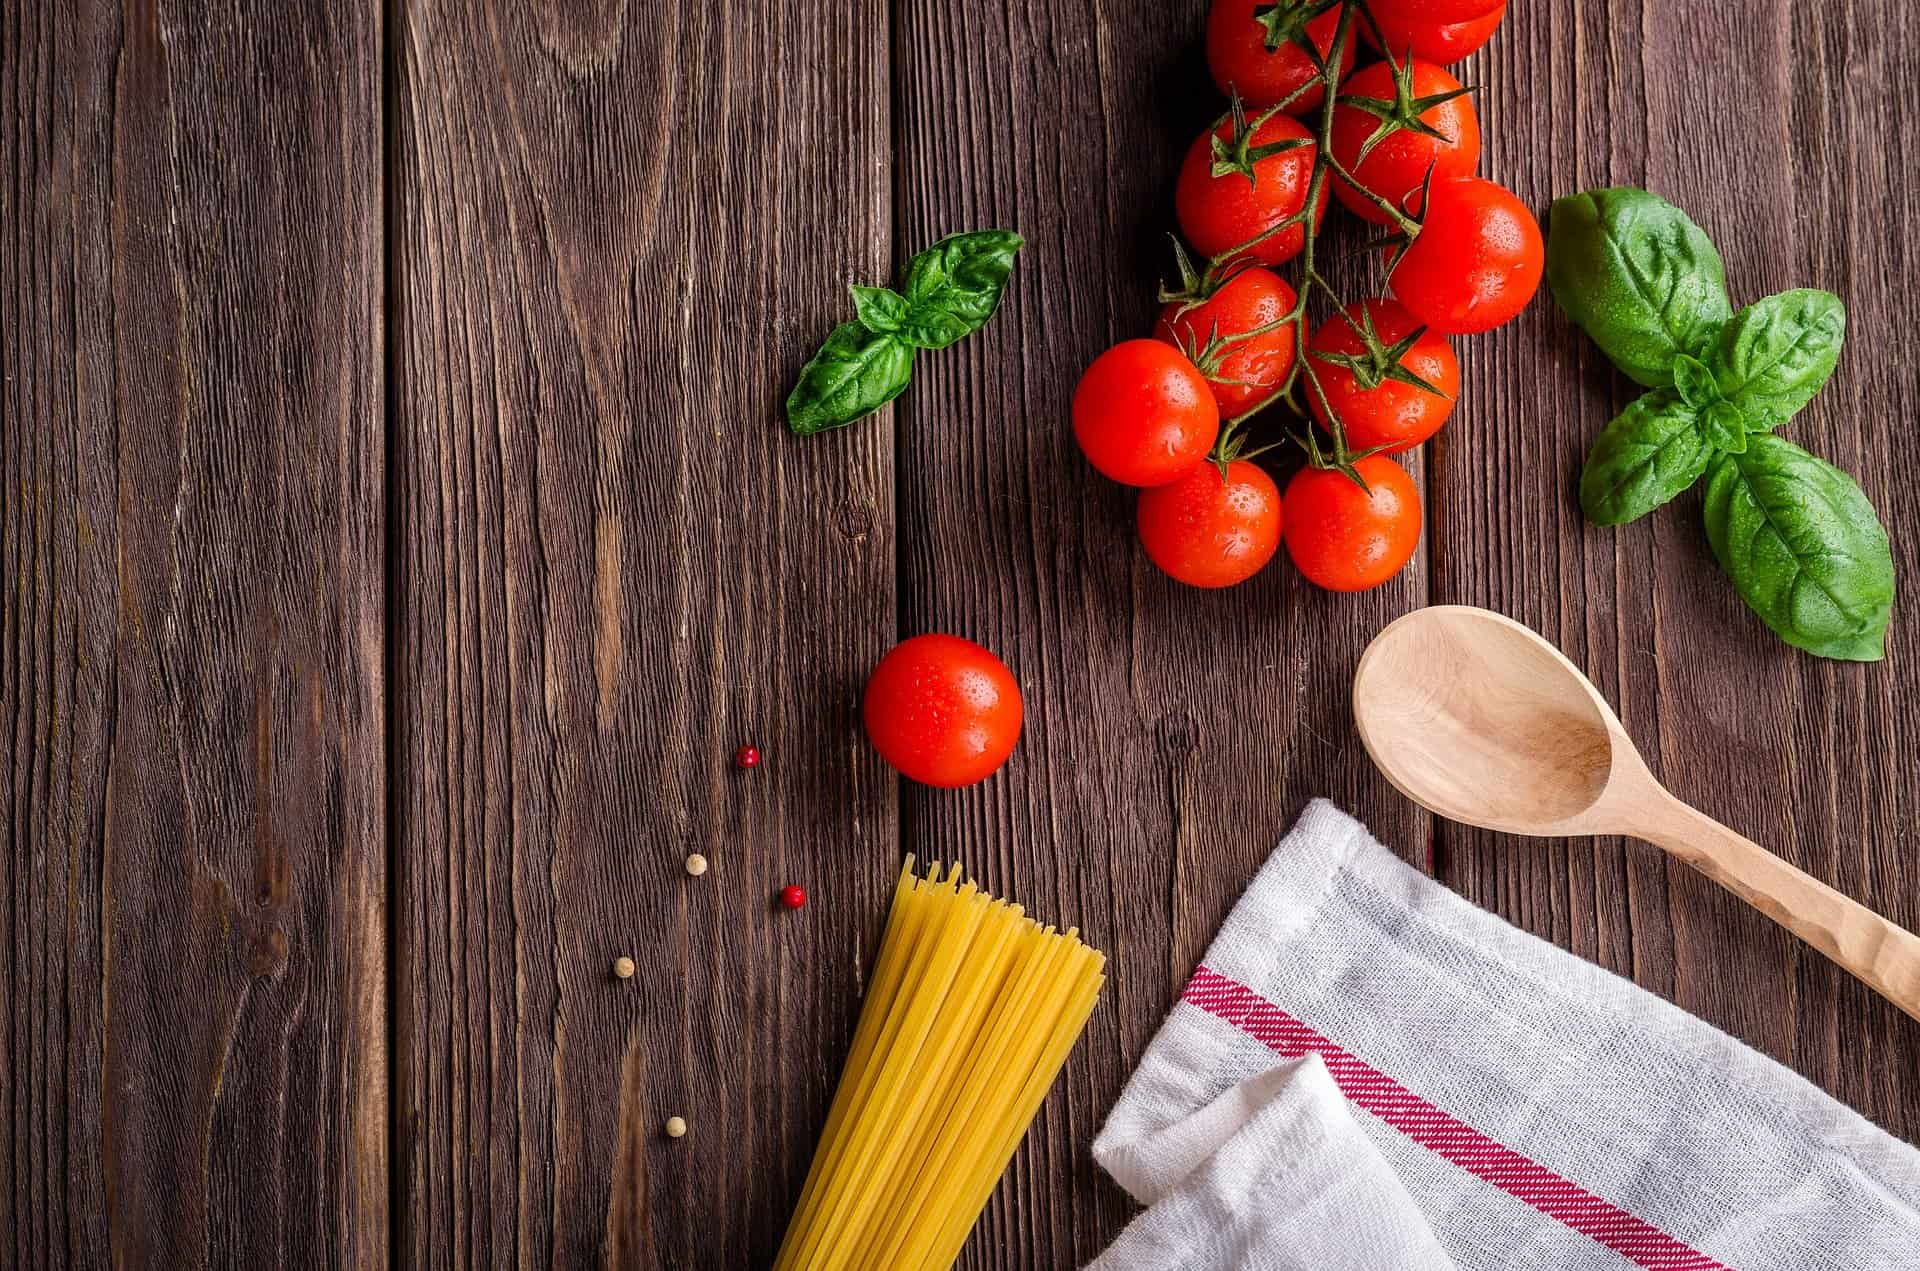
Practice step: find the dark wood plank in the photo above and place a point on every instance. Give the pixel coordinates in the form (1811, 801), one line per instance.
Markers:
(1763, 120)
(1172, 735)
(194, 1065)
(620, 229)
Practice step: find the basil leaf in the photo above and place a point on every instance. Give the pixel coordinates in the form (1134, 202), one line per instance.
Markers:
(1651, 452)
(1803, 547)
(855, 373)
(1774, 356)
(880, 309)
(1637, 275)
(1694, 382)
(1721, 423)
(1724, 427)
(954, 286)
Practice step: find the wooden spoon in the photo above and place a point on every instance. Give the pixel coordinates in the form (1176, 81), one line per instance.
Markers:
(1479, 719)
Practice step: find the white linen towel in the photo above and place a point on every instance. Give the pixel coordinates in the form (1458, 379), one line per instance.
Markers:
(1532, 1110)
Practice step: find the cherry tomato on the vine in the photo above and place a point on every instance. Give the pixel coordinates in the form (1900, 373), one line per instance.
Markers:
(1344, 538)
(1206, 530)
(1474, 263)
(1220, 213)
(1242, 370)
(1390, 114)
(1254, 49)
(942, 710)
(1435, 10)
(1143, 413)
(1442, 43)
(1371, 383)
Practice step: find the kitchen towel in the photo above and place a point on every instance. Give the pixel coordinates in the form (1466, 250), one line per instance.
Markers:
(1274, 1174)
(1534, 1110)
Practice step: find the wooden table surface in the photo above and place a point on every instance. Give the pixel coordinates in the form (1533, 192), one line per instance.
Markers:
(400, 534)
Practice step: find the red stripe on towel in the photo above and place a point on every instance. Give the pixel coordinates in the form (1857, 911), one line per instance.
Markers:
(1446, 1136)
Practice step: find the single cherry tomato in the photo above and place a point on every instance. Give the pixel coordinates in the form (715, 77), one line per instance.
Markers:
(1475, 262)
(1206, 530)
(747, 757)
(1242, 370)
(1344, 538)
(1394, 122)
(1143, 413)
(1442, 43)
(942, 710)
(1253, 49)
(1367, 359)
(1435, 10)
(793, 896)
(1219, 213)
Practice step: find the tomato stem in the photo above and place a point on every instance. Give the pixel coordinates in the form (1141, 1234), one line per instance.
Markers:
(1221, 268)
(1316, 186)
(1406, 224)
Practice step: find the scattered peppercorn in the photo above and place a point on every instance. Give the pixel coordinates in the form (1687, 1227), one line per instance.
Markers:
(623, 967)
(675, 1127)
(793, 897)
(746, 757)
(696, 864)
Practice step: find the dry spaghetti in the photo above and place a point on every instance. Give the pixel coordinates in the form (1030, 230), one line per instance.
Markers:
(972, 1009)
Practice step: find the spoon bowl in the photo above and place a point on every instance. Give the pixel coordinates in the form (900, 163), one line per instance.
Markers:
(1475, 717)
(1480, 720)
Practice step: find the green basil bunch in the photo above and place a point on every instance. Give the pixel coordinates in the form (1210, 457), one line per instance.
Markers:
(1797, 536)
(952, 288)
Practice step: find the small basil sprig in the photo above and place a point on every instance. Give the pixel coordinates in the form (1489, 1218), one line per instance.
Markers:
(1797, 536)
(951, 289)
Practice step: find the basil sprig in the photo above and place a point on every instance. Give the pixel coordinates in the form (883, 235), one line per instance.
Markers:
(951, 289)
(1801, 542)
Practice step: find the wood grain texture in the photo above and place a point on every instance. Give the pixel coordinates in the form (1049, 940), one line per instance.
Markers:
(194, 962)
(1757, 119)
(334, 741)
(620, 229)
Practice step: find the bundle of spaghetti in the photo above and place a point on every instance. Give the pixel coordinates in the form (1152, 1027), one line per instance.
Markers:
(969, 1016)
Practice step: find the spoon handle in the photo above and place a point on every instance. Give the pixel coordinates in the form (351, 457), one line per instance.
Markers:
(1886, 957)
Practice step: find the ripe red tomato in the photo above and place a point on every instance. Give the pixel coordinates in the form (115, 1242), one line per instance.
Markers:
(1219, 213)
(1251, 50)
(1475, 262)
(1377, 407)
(1344, 538)
(1397, 163)
(1435, 10)
(942, 710)
(1247, 371)
(1206, 530)
(1442, 43)
(1143, 413)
